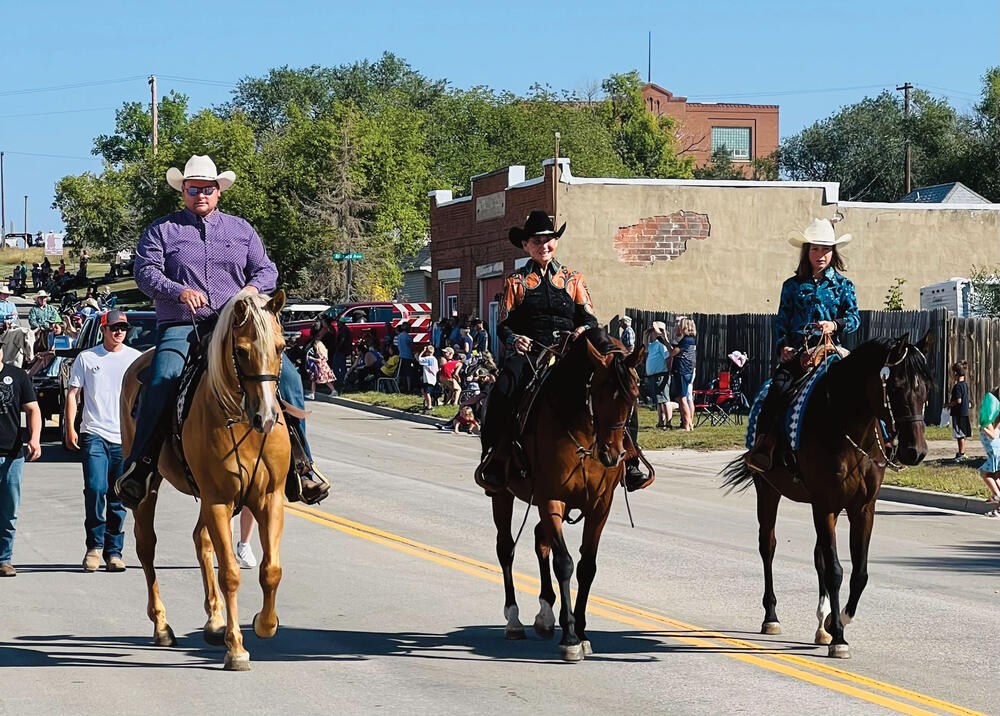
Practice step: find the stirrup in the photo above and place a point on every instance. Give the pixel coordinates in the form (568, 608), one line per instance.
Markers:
(134, 483)
(760, 458)
(486, 478)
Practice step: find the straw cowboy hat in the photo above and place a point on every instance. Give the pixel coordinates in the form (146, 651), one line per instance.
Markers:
(819, 232)
(538, 224)
(201, 167)
(4, 290)
(42, 294)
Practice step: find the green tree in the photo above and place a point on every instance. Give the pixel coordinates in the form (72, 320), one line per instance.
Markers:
(986, 290)
(894, 298)
(96, 211)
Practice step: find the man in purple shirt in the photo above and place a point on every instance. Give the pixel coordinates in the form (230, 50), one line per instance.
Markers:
(191, 263)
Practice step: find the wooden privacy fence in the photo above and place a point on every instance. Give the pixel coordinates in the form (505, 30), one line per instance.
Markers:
(974, 339)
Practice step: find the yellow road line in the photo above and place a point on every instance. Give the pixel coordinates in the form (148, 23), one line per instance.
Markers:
(790, 665)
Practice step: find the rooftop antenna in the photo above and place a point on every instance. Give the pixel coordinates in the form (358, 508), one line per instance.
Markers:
(649, 58)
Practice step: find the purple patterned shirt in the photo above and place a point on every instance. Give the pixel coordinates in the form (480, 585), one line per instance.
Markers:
(217, 255)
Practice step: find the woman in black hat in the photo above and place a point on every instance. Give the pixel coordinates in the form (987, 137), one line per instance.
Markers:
(541, 299)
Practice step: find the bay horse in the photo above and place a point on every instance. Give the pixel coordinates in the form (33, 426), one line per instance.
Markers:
(873, 397)
(573, 449)
(238, 453)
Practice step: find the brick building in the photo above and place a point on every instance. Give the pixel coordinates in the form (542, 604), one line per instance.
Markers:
(748, 131)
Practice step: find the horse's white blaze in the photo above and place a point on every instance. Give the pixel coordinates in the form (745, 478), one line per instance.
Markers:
(268, 408)
(823, 610)
(545, 615)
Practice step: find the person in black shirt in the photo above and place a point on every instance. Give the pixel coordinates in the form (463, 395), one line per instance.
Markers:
(541, 299)
(16, 394)
(959, 406)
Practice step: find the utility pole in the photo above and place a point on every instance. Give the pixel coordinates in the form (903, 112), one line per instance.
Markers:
(906, 130)
(3, 206)
(26, 215)
(649, 58)
(152, 89)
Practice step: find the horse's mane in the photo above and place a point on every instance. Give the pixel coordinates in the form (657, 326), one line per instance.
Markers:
(220, 358)
(871, 355)
(565, 388)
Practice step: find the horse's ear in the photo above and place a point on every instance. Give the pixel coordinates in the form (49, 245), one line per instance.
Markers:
(635, 357)
(240, 312)
(277, 302)
(598, 359)
(925, 344)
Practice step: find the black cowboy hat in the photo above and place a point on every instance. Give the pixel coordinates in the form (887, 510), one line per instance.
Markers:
(539, 223)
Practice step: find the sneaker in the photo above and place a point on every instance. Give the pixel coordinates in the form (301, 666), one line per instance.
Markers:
(310, 396)
(114, 563)
(960, 457)
(244, 555)
(92, 560)
(7, 570)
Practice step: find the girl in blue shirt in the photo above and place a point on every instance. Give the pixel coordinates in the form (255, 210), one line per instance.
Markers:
(818, 295)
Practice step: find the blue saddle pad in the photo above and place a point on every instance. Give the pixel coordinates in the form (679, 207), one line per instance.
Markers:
(793, 418)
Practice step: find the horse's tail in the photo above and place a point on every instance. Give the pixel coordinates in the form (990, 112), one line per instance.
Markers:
(737, 476)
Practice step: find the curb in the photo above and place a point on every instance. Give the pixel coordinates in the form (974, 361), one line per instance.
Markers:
(889, 493)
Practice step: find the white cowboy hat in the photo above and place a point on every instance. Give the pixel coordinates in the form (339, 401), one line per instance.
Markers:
(819, 232)
(4, 289)
(200, 166)
(42, 294)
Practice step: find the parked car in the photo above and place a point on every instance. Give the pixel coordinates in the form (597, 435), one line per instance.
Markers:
(378, 316)
(296, 317)
(141, 335)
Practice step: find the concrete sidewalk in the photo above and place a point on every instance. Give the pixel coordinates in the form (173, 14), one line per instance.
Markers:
(938, 449)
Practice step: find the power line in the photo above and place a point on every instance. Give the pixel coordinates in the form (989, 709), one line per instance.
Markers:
(785, 93)
(62, 111)
(50, 156)
(76, 85)
(198, 81)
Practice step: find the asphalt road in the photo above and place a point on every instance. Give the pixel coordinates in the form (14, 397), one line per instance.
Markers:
(390, 601)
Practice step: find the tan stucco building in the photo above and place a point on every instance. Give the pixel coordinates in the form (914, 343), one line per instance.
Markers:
(695, 245)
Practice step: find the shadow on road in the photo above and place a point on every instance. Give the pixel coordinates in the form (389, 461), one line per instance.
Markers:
(977, 557)
(292, 644)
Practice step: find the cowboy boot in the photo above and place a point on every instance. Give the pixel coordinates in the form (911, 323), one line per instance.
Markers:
(305, 483)
(491, 475)
(635, 479)
(132, 486)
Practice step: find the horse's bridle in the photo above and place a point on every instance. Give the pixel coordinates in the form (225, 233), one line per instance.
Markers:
(242, 377)
(883, 375)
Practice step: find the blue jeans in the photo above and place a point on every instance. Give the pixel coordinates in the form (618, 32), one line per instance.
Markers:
(172, 346)
(102, 464)
(10, 498)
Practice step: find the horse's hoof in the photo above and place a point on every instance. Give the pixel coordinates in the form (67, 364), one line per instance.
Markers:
(544, 631)
(587, 648)
(215, 637)
(262, 634)
(840, 651)
(572, 653)
(772, 628)
(823, 637)
(165, 637)
(514, 634)
(240, 662)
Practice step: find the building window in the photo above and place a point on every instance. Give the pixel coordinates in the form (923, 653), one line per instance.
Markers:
(735, 139)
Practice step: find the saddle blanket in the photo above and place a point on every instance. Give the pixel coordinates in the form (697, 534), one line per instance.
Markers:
(796, 410)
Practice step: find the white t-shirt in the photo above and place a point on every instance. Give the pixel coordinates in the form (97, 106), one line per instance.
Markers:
(99, 375)
(430, 366)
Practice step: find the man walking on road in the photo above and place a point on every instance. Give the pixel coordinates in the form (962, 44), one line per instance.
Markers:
(98, 373)
(16, 394)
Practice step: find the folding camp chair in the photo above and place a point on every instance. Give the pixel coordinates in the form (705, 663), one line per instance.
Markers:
(391, 383)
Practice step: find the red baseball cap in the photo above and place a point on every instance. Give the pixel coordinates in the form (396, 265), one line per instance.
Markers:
(113, 318)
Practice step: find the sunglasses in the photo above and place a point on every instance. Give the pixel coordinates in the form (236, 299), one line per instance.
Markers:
(196, 190)
(118, 328)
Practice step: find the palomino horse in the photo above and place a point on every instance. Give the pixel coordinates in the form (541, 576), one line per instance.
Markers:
(840, 464)
(573, 450)
(238, 454)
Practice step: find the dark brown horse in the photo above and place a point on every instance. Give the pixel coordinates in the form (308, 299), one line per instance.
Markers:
(840, 464)
(574, 446)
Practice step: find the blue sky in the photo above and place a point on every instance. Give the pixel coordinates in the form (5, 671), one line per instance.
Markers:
(809, 57)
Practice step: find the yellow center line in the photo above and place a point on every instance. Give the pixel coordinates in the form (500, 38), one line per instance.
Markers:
(790, 665)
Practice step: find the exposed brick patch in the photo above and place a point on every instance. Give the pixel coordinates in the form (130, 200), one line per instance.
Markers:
(660, 238)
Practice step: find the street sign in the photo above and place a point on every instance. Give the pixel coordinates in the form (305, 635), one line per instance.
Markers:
(348, 257)
(338, 257)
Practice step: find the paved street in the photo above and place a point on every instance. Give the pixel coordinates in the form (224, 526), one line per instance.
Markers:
(390, 601)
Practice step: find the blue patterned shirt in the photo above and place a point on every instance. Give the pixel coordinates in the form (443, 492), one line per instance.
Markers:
(217, 255)
(808, 300)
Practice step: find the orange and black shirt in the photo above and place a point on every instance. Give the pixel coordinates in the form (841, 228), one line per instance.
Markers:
(538, 306)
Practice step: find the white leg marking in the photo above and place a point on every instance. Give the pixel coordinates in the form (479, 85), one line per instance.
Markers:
(844, 619)
(823, 610)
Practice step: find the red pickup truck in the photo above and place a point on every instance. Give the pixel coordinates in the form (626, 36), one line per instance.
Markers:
(361, 318)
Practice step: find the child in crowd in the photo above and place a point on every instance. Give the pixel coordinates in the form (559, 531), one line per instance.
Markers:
(428, 384)
(989, 417)
(959, 406)
(318, 366)
(450, 376)
(466, 419)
